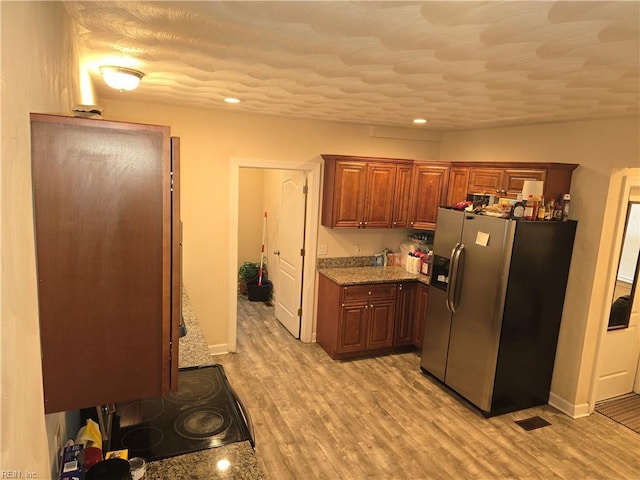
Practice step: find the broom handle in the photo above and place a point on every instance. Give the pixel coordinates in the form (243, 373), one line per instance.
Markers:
(264, 228)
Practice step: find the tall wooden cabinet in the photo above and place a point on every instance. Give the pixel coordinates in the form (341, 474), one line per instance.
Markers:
(106, 215)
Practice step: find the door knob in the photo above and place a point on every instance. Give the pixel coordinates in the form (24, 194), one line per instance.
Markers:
(276, 252)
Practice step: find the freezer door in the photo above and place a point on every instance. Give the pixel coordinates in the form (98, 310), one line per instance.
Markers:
(438, 320)
(448, 231)
(436, 334)
(475, 327)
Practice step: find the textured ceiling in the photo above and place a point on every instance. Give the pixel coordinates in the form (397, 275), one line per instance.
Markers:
(458, 64)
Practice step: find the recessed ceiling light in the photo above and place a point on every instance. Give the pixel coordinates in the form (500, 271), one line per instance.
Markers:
(419, 121)
(232, 100)
(121, 78)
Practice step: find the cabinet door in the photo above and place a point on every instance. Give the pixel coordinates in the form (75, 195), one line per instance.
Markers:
(352, 327)
(422, 293)
(428, 192)
(380, 326)
(405, 314)
(488, 181)
(402, 196)
(458, 185)
(514, 180)
(378, 204)
(349, 192)
(102, 210)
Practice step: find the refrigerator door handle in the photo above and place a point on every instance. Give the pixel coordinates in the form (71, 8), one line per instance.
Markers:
(452, 287)
(450, 278)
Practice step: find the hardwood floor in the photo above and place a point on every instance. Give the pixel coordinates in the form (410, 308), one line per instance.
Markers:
(381, 418)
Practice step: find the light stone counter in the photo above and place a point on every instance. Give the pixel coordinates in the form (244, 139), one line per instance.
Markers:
(203, 465)
(193, 350)
(243, 465)
(360, 275)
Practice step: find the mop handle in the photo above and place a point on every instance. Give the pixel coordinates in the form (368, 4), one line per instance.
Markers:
(264, 228)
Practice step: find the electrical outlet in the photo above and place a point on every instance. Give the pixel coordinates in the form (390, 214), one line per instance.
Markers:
(323, 249)
(359, 249)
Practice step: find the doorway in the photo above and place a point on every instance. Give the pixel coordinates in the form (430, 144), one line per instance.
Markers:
(617, 369)
(307, 295)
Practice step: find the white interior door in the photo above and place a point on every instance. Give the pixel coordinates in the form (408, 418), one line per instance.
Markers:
(620, 349)
(290, 247)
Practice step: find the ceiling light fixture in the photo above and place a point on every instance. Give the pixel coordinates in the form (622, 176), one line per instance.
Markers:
(419, 121)
(121, 78)
(232, 100)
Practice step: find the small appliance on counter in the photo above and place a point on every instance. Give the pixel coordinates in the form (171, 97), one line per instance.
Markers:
(203, 413)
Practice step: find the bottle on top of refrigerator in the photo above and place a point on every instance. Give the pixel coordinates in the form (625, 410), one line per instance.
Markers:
(566, 200)
(541, 209)
(528, 209)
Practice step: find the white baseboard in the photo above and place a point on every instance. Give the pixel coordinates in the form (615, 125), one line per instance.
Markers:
(218, 349)
(568, 408)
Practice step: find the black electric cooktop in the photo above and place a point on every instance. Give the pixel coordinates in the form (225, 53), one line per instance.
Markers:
(203, 413)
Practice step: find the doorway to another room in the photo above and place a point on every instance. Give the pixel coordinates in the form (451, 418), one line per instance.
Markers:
(617, 372)
(284, 242)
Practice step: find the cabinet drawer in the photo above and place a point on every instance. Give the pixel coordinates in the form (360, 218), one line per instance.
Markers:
(362, 292)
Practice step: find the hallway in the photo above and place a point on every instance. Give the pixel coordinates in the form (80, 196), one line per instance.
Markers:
(381, 418)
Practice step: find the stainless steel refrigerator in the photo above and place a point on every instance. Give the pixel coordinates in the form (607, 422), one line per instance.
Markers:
(495, 304)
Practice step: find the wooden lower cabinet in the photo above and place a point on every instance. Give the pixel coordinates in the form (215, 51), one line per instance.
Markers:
(356, 320)
(405, 313)
(421, 297)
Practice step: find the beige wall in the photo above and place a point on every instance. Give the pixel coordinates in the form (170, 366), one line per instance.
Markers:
(598, 146)
(38, 73)
(250, 213)
(209, 140)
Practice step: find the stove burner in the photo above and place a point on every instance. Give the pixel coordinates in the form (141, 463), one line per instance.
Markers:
(141, 411)
(200, 423)
(142, 438)
(195, 388)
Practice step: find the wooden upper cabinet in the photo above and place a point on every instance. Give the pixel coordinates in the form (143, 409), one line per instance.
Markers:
(107, 265)
(347, 206)
(458, 185)
(485, 180)
(428, 192)
(402, 197)
(378, 203)
(507, 180)
(514, 179)
(362, 192)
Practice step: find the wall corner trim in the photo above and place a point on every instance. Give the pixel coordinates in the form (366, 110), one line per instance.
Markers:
(568, 408)
(219, 349)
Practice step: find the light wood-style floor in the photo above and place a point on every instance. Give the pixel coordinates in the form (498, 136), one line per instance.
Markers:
(381, 418)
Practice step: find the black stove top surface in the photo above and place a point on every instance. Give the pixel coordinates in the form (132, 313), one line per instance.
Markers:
(203, 413)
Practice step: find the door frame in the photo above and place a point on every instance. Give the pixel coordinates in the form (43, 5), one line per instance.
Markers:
(620, 186)
(313, 169)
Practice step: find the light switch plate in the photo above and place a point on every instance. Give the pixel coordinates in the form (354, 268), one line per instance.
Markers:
(323, 249)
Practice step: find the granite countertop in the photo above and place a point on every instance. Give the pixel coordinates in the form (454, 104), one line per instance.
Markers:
(243, 465)
(359, 275)
(193, 350)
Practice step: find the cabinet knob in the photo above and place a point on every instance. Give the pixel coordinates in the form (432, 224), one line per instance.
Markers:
(366, 306)
(369, 293)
